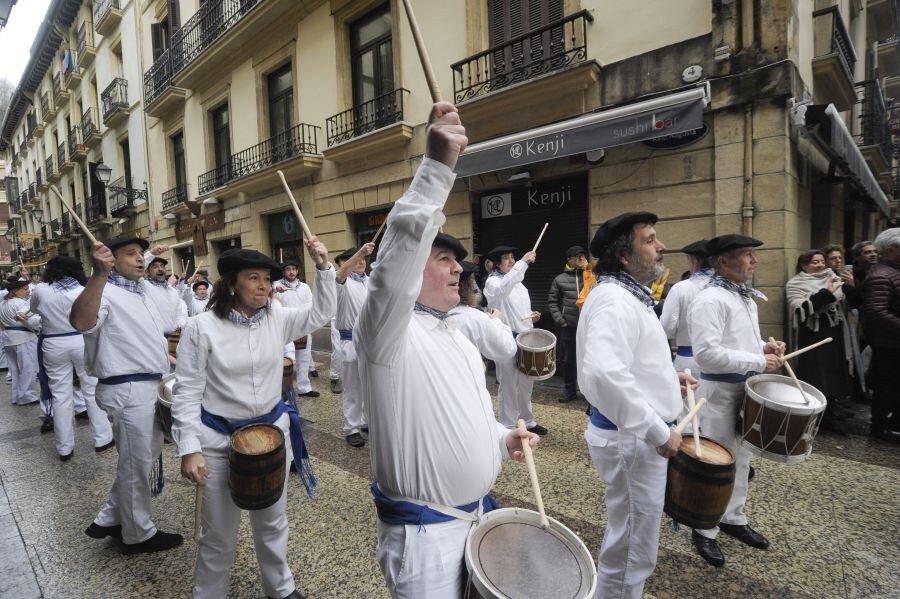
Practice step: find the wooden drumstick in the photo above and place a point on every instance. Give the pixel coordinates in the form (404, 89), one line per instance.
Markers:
(690, 415)
(198, 508)
(297, 213)
(541, 236)
(807, 348)
(75, 216)
(181, 244)
(378, 232)
(532, 473)
(694, 421)
(423, 53)
(790, 371)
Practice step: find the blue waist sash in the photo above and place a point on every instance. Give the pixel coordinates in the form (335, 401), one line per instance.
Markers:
(346, 334)
(728, 377)
(298, 446)
(685, 351)
(397, 511)
(130, 378)
(601, 421)
(26, 329)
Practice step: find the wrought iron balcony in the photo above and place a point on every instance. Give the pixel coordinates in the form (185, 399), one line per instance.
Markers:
(158, 78)
(48, 168)
(76, 148)
(85, 49)
(366, 117)
(62, 163)
(107, 16)
(96, 206)
(115, 100)
(89, 131)
(24, 198)
(209, 23)
(875, 130)
(65, 224)
(32, 191)
(48, 108)
(57, 86)
(123, 196)
(300, 139)
(55, 228)
(38, 180)
(833, 59)
(174, 197)
(538, 52)
(73, 76)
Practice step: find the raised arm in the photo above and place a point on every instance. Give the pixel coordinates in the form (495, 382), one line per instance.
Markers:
(347, 267)
(85, 309)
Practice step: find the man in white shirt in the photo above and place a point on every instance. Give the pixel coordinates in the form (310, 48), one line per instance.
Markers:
(486, 331)
(20, 343)
(294, 293)
(168, 301)
(435, 441)
(505, 292)
(728, 348)
(336, 363)
(674, 318)
(200, 297)
(625, 371)
(126, 351)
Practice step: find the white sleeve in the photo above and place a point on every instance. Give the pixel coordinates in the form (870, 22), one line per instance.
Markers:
(303, 321)
(496, 288)
(181, 314)
(671, 310)
(495, 339)
(707, 322)
(190, 385)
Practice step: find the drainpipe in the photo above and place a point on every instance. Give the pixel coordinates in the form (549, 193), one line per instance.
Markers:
(747, 205)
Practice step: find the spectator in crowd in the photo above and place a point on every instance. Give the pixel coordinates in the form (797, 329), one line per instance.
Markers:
(862, 255)
(564, 292)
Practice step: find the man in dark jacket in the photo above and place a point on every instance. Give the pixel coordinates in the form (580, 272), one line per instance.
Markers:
(881, 324)
(561, 301)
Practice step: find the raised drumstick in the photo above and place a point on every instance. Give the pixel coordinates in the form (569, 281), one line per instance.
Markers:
(75, 216)
(378, 232)
(790, 371)
(690, 415)
(181, 244)
(807, 348)
(532, 473)
(297, 213)
(694, 421)
(423, 53)
(541, 236)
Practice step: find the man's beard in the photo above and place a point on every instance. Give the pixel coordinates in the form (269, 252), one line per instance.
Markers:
(646, 271)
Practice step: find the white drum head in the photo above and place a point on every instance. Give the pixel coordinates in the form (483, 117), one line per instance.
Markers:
(779, 391)
(509, 555)
(166, 389)
(536, 340)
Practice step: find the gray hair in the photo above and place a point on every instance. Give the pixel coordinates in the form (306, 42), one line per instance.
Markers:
(857, 248)
(887, 239)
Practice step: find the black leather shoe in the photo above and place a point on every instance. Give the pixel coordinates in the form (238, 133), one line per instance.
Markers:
(46, 426)
(537, 429)
(892, 437)
(355, 440)
(309, 394)
(364, 429)
(745, 535)
(314, 374)
(295, 595)
(67, 457)
(752, 474)
(81, 415)
(103, 448)
(708, 549)
(95, 531)
(158, 542)
(568, 397)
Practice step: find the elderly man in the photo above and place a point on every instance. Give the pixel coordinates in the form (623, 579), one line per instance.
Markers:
(728, 348)
(125, 349)
(294, 293)
(564, 292)
(435, 441)
(168, 301)
(881, 323)
(625, 371)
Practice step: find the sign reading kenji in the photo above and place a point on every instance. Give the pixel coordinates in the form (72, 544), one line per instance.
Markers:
(560, 194)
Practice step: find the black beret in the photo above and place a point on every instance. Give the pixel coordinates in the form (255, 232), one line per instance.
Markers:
(451, 243)
(290, 262)
(616, 226)
(468, 267)
(202, 271)
(498, 251)
(159, 259)
(237, 259)
(698, 248)
(119, 242)
(724, 243)
(13, 283)
(198, 283)
(575, 250)
(346, 255)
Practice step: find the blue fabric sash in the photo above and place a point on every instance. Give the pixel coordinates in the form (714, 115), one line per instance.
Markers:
(397, 511)
(130, 378)
(728, 377)
(43, 379)
(26, 329)
(601, 421)
(301, 455)
(346, 334)
(685, 351)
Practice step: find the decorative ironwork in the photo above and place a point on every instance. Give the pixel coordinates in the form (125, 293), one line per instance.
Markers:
(114, 97)
(57, 86)
(48, 167)
(158, 77)
(54, 227)
(75, 144)
(208, 24)
(538, 52)
(32, 191)
(85, 37)
(12, 189)
(65, 224)
(366, 117)
(840, 40)
(45, 104)
(101, 7)
(172, 198)
(61, 156)
(77, 209)
(37, 177)
(123, 196)
(300, 139)
(88, 126)
(96, 206)
(874, 127)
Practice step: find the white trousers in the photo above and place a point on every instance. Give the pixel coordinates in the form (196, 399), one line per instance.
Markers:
(635, 477)
(423, 562)
(718, 419)
(62, 356)
(337, 358)
(23, 367)
(514, 394)
(302, 361)
(220, 522)
(3, 365)
(354, 409)
(132, 409)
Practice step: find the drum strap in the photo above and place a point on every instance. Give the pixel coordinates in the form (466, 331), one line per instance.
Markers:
(406, 510)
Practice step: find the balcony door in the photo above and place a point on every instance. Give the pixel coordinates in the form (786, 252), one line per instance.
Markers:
(221, 130)
(281, 112)
(373, 70)
(510, 19)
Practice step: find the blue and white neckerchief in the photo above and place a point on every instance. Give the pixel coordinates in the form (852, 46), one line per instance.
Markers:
(126, 284)
(241, 320)
(718, 280)
(358, 277)
(436, 313)
(704, 273)
(290, 285)
(163, 283)
(630, 284)
(64, 284)
(496, 272)
(201, 299)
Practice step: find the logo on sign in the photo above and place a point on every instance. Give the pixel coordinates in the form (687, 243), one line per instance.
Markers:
(639, 126)
(494, 205)
(515, 151)
(287, 225)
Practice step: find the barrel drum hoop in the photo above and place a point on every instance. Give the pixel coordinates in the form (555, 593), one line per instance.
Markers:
(718, 481)
(257, 470)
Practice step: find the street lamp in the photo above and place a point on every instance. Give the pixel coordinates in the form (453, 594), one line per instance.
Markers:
(38, 214)
(103, 172)
(10, 235)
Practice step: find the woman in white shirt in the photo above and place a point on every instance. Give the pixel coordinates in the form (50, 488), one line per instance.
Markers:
(228, 375)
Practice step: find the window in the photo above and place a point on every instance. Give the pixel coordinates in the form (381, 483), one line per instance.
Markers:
(221, 130)
(126, 161)
(159, 37)
(372, 62)
(178, 159)
(512, 18)
(281, 111)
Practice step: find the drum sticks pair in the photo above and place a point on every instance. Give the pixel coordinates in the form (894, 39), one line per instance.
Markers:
(790, 370)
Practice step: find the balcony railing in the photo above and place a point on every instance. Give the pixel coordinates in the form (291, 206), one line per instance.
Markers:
(538, 52)
(57, 86)
(38, 180)
(840, 40)
(12, 187)
(208, 24)
(32, 191)
(77, 209)
(48, 167)
(31, 123)
(23, 198)
(96, 206)
(114, 97)
(65, 224)
(61, 156)
(54, 227)
(367, 117)
(158, 78)
(88, 124)
(75, 145)
(45, 104)
(874, 127)
(85, 37)
(122, 195)
(172, 198)
(300, 139)
(101, 7)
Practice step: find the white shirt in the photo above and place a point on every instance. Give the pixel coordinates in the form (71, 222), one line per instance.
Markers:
(298, 294)
(675, 310)
(197, 306)
(234, 370)
(54, 307)
(433, 434)
(509, 295)
(624, 364)
(491, 336)
(725, 333)
(351, 295)
(9, 308)
(171, 307)
(127, 337)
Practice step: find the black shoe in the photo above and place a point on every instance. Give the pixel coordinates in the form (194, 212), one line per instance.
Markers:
(587, 410)
(336, 386)
(158, 542)
(309, 394)
(355, 440)
(67, 457)
(568, 397)
(103, 448)
(95, 531)
(745, 535)
(314, 374)
(751, 474)
(708, 549)
(537, 429)
(46, 426)
(892, 437)
(81, 415)
(364, 429)
(295, 595)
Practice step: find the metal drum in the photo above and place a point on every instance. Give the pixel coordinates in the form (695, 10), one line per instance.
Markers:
(164, 404)
(536, 355)
(776, 422)
(508, 554)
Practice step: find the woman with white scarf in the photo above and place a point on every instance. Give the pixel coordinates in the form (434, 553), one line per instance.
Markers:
(818, 309)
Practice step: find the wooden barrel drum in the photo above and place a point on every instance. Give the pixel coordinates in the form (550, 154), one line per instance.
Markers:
(698, 489)
(300, 343)
(287, 376)
(173, 339)
(256, 461)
